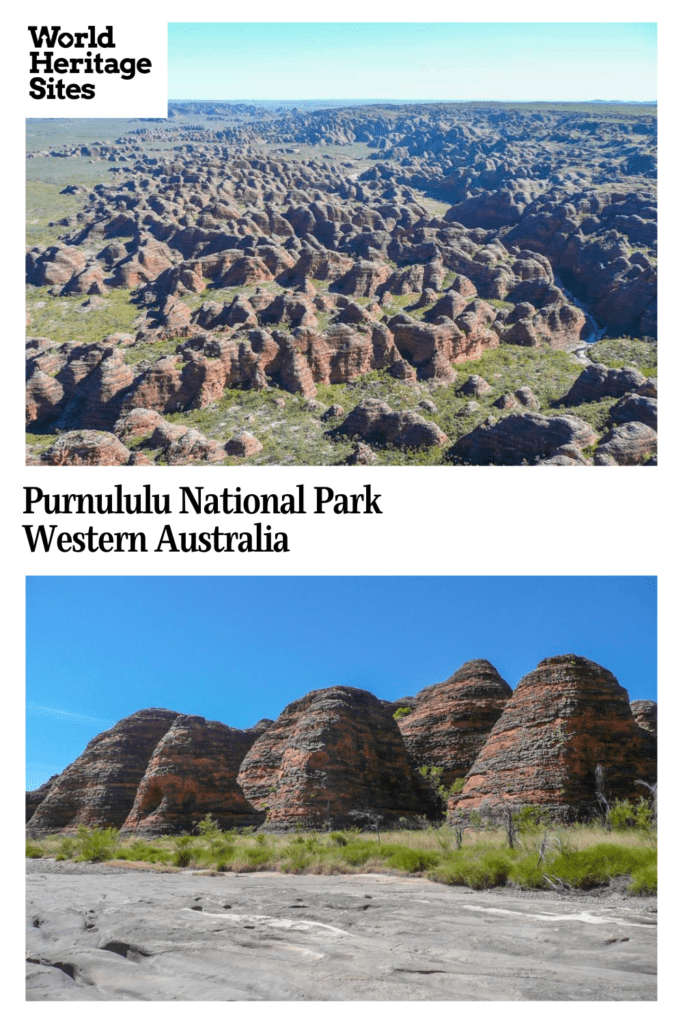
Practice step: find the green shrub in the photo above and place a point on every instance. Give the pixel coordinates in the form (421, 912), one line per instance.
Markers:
(530, 819)
(408, 859)
(447, 837)
(209, 828)
(338, 839)
(358, 852)
(402, 712)
(222, 854)
(644, 881)
(432, 775)
(257, 855)
(184, 848)
(144, 851)
(492, 869)
(623, 815)
(297, 862)
(220, 851)
(528, 873)
(96, 844)
(585, 869)
(66, 848)
(33, 850)
(478, 871)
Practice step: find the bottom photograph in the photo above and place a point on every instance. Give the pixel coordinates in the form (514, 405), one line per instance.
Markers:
(341, 788)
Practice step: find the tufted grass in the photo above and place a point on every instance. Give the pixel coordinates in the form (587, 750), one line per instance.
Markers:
(580, 857)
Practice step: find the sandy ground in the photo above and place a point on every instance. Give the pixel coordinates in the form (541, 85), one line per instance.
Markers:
(98, 933)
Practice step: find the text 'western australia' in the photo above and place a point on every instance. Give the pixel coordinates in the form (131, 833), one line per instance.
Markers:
(49, 537)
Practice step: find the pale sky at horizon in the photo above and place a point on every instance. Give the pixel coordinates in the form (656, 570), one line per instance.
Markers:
(513, 62)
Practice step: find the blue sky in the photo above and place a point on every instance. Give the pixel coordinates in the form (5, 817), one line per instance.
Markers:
(430, 61)
(238, 649)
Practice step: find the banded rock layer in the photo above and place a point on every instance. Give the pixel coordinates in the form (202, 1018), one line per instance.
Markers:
(339, 752)
(451, 720)
(192, 773)
(331, 753)
(564, 719)
(99, 787)
(35, 797)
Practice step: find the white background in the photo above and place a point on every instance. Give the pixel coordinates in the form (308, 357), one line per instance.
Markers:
(144, 95)
(440, 521)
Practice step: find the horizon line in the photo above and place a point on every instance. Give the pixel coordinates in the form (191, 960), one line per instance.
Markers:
(387, 99)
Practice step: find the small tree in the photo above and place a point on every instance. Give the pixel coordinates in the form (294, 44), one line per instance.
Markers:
(432, 775)
(210, 830)
(374, 821)
(601, 793)
(544, 846)
(510, 822)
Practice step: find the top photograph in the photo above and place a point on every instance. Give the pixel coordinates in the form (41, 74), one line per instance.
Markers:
(353, 244)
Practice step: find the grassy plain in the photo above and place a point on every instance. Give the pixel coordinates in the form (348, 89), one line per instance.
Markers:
(572, 858)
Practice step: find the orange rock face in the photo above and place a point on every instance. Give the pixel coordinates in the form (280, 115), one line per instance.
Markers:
(331, 753)
(191, 773)
(98, 789)
(451, 721)
(86, 448)
(564, 719)
(339, 751)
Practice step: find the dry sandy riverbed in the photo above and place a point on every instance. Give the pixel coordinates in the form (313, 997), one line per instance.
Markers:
(108, 933)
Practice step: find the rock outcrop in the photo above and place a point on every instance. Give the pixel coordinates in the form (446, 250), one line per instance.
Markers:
(451, 720)
(35, 797)
(598, 381)
(338, 757)
(564, 719)
(329, 754)
(377, 423)
(518, 438)
(193, 772)
(645, 714)
(626, 445)
(86, 448)
(98, 789)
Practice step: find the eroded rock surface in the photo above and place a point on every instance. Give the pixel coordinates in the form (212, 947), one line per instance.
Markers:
(451, 721)
(35, 797)
(193, 772)
(329, 754)
(564, 719)
(263, 936)
(518, 438)
(98, 789)
(250, 266)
